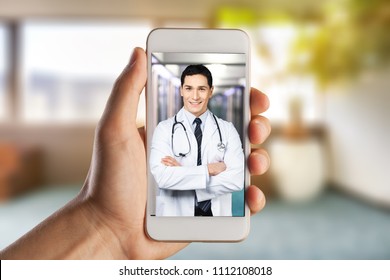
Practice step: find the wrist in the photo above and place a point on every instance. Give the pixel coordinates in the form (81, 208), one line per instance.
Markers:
(74, 232)
(101, 242)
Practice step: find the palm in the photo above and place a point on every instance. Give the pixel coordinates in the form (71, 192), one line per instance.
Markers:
(119, 194)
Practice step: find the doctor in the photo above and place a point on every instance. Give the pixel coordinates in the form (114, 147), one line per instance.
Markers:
(196, 158)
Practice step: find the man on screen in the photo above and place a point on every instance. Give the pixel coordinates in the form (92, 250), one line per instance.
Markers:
(196, 158)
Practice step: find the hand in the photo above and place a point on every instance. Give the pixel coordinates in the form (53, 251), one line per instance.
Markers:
(170, 161)
(116, 186)
(216, 168)
(107, 219)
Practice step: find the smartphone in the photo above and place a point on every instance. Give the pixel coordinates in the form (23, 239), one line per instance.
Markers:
(197, 107)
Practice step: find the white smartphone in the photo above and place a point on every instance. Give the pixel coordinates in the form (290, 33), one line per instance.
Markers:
(197, 145)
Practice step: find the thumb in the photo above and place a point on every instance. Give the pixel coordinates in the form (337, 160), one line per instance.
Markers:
(122, 104)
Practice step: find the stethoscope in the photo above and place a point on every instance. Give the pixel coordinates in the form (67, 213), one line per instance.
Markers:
(220, 146)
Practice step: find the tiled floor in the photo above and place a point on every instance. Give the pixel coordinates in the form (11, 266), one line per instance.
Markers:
(332, 227)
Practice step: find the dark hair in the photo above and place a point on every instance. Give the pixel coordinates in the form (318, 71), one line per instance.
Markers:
(198, 69)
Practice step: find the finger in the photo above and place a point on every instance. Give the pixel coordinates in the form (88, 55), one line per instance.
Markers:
(165, 161)
(175, 163)
(123, 101)
(258, 162)
(141, 131)
(259, 129)
(169, 158)
(259, 102)
(255, 199)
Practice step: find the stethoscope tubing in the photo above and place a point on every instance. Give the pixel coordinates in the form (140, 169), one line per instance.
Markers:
(221, 147)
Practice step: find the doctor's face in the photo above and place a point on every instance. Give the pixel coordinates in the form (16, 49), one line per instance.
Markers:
(196, 94)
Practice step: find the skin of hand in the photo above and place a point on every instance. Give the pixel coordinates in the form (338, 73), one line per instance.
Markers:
(107, 219)
(170, 161)
(216, 168)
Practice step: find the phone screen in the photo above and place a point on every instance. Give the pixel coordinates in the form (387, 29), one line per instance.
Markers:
(181, 92)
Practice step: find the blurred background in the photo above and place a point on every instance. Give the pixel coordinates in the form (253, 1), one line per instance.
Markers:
(324, 66)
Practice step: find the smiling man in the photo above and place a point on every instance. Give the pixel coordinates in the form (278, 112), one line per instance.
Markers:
(197, 88)
(196, 158)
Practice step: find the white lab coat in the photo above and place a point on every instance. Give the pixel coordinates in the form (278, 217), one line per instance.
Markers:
(177, 186)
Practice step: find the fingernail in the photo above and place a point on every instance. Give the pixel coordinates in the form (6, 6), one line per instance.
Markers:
(262, 128)
(264, 162)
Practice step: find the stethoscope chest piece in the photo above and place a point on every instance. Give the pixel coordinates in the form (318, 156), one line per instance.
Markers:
(221, 147)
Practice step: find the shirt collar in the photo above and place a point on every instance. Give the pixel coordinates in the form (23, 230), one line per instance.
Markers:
(190, 117)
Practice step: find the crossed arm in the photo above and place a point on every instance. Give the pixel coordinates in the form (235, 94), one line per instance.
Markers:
(223, 177)
(213, 168)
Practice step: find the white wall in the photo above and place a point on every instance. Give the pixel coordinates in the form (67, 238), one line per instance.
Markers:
(358, 122)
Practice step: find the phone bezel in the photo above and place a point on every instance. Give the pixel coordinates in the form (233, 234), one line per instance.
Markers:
(220, 229)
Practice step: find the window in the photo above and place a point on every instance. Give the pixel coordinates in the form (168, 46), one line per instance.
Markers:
(68, 68)
(272, 73)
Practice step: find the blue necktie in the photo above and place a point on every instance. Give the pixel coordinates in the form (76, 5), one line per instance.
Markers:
(204, 205)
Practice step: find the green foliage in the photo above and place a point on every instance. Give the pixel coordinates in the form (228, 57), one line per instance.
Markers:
(352, 36)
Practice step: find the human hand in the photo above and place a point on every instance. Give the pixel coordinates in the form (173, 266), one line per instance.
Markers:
(107, 219)
(116, 187)
(258, 161)
(216, 168)
(170, 161)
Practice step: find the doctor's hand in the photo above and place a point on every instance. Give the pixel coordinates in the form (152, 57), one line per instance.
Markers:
(170, 161)
(107, 219)
(216, 168)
